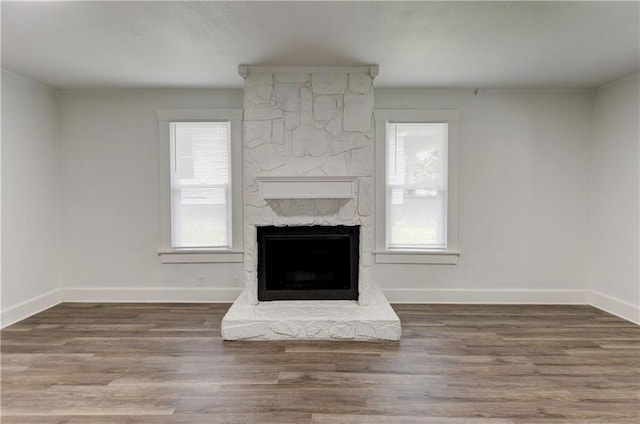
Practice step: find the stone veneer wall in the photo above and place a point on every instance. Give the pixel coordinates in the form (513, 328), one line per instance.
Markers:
(311, 124)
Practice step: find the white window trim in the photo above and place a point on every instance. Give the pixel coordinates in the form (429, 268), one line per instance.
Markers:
(166, 253)
(450, 255)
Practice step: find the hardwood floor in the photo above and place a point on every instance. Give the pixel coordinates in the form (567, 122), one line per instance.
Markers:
(455, 364)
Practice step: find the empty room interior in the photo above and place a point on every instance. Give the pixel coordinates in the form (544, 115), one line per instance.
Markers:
(320, 212)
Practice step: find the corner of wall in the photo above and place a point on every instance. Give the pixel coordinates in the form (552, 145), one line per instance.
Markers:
(613, 265)
(30, 209)
(29, 307)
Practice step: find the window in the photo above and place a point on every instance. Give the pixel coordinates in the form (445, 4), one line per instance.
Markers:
(200, 185)
(416, 185)
(416, 206)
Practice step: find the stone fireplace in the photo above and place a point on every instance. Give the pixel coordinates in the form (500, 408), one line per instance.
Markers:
(308, 158)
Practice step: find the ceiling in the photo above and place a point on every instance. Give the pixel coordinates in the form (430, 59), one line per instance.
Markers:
(417, 44)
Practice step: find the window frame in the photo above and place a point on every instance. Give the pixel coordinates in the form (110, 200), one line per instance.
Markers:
(383, 254)
(166, 252)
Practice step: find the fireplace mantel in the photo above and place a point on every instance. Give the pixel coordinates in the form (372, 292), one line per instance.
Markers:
(320, 187)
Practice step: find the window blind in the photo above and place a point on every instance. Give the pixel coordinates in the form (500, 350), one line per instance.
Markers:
(416, 185)
(200, 185)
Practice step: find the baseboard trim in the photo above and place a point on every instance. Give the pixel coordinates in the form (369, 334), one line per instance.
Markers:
(488, 296)
(25, 309)
(615, 306)
(151, 294)
(29, 307)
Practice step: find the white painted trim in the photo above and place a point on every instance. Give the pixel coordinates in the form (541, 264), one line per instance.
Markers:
(533, 90)
(29, 307)
(188, 251)
(320, 187)
(598, 300)
(487, 296)
(381, 117)
(245, 70)
(165, 117)
(151, 294)
(416, 115)
(168, 256)
(615, 306)
(217, 114)
(435, 257)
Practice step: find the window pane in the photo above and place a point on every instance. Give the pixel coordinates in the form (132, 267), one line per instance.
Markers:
(202, 152)
(200, 177)
(417, 184)
(200, 217)
(416, 221)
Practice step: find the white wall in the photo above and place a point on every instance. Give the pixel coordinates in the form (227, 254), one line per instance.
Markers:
(83, 213)
(614, 257)
(523, 198)
(110, 208)
(30, 197)
(523, 182)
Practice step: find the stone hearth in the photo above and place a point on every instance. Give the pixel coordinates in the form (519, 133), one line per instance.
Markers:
(305, 124)
(312, 319)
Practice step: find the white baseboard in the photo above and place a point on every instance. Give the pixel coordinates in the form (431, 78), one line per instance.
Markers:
(615, 306)
(151, 294)
(488, 296)
(37, 304)
(29, 307)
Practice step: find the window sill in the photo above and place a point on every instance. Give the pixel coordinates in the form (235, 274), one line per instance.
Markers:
(200, 256)
(433, 257)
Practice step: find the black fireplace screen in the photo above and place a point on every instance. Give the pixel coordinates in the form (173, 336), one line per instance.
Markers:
(308, 263)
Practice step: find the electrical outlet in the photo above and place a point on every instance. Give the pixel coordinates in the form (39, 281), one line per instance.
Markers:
(200, 282)
(235, 281)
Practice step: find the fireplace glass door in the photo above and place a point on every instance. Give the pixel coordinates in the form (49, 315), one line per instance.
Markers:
(308, 263)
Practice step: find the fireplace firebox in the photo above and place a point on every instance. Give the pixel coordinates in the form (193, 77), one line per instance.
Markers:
(308, 262)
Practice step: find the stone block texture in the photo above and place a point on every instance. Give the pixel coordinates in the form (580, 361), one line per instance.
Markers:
(315, 124)
(312, 320)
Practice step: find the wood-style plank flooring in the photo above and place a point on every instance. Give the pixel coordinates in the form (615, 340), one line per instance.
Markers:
(456, 364)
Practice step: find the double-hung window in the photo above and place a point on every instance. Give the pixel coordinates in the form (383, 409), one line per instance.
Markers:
(416, 178)
(200, 185)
